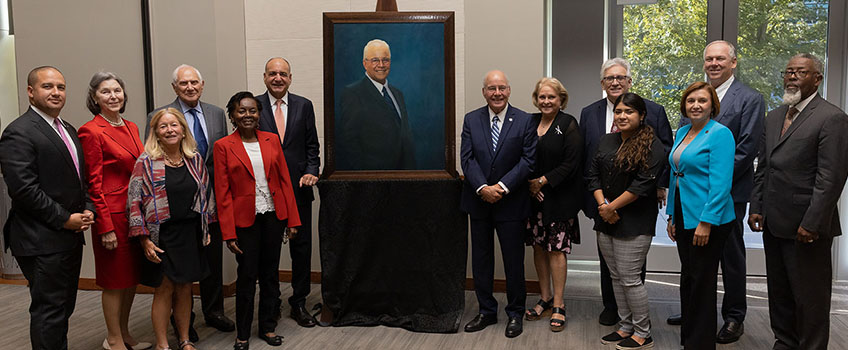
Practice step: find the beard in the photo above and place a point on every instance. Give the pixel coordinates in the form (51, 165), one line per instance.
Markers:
(791, 98)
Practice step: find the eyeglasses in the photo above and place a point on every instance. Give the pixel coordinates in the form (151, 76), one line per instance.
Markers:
(801, 74)
(375, 61)
(494, 88)
(620, 78)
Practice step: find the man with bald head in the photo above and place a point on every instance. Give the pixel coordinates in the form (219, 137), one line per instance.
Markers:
(497, 152)
(372, 131)
(42, 159)
(207, 124)
(292, 118)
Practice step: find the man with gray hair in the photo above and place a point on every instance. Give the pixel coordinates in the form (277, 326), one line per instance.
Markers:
(596, 120)
(372, 130)
(742, 110)
(801, 171)
(207, 124)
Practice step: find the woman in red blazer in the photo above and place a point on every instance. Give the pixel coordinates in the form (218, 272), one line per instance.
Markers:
(256, 210)
(111, 145)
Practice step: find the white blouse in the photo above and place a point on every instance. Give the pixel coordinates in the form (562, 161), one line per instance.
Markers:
(264, 201)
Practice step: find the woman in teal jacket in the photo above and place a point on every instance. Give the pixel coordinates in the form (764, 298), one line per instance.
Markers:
(701, 210)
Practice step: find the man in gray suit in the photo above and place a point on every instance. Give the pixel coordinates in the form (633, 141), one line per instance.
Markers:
(207, 124)
(742, 110)
(800, 174)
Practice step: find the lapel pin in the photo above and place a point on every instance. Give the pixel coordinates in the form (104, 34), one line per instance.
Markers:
(510, 119)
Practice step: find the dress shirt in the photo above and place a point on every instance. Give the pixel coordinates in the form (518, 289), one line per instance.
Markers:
(721, 90)
(284, 106)
(501, 120)
(50, 121)
(800, 106)
(190, 118)
(380, 90)
(610, 116)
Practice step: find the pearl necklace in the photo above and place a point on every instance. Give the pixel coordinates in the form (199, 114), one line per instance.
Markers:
(120, 121)
(176, 164)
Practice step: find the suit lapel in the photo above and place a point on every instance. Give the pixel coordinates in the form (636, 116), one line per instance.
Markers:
(237, 147)
(602, 118)
(729, 99)
(294, 109)
(108, 131)
(266, 146)
(506, 125)
(266, 117)
(54, 138)
(486, 126)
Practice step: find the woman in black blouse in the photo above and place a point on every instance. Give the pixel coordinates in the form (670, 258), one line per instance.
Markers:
(623, 179)
(556, 186)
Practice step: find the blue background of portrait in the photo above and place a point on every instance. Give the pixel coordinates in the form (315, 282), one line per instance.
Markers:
(418, 70)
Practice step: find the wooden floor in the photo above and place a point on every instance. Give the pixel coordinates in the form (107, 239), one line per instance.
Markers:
(582, 330)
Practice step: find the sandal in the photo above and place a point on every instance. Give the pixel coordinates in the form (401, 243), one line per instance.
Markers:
(558, 325)
(532, 315)
(185, 343)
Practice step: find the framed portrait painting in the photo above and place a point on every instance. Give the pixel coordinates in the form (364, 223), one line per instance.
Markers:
(389, 95)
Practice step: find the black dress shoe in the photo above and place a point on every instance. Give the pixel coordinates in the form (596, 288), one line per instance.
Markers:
(302, 316)
(241, 346)
(730, 332)
(514, 327)
(480, 322)
(675, 320)
(608, 317)
(220, 322)
(276, 340)
(192, 334)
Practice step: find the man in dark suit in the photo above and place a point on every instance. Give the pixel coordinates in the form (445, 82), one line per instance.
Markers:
(293, 117)
(596, 121)
(801, 171)
(207, 124)
(42, 163)
(742, 111)
(372, 131)
(497, 151)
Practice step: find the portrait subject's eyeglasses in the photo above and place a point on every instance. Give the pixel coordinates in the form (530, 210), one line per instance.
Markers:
(494, 88)
(801, 74)
(375, 61)
(620, 78)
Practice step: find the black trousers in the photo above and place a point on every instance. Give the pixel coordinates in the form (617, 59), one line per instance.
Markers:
(260, 260)
(300, 248)
(607, 292)
(698, 280)
(511, 239)
(799, 287)
(212, 287)
(53, 280)
(734, 271)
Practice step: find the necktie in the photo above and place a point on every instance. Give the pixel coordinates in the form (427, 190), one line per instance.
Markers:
(496, 132)
(614, 128)
(64, 136)
(280, 119)
(199, 136)
(790, 116)
(389, 101)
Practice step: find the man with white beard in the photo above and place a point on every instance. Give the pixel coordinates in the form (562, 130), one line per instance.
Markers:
(799, 178)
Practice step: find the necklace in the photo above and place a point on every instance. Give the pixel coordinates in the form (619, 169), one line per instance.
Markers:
(120, 121)
(174, 163)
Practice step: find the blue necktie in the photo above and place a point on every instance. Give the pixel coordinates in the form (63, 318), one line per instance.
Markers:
(389, 101)
(496, 132)
(199, 137)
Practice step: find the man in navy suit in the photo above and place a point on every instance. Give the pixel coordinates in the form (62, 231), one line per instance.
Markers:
(742, 111)
(497, 151)
(292, 118)
(596, 121)
(372, 132)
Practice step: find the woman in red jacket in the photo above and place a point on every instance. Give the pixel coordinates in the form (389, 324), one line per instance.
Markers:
(256, 210)
(111, 145)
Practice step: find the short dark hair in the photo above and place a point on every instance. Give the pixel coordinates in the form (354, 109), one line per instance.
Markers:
(234, 101)
(33, 74)
(698, 85)
(95, 82)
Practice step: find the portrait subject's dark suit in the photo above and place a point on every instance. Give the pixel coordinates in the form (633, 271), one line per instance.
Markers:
(301, 150)
(592, 127)
(511, 164)
(742, 111)
(798, 181)
(211, 287)
(45, 188)
(369, 133)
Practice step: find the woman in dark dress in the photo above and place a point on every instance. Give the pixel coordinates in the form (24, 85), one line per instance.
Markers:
(557, 188)
(170, 212)
(623, 180)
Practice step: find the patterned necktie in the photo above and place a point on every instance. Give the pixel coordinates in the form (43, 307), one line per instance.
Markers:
(790, 116)
(64, 136)
(280, 119)
(496, 132)
(389, 101)
(199, 136)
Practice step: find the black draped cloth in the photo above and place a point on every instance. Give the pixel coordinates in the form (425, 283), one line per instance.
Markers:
(393, 253)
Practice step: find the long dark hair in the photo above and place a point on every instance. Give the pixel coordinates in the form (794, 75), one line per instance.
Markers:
(635, 151)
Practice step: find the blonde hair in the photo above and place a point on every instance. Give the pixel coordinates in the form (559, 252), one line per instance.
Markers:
(152, 145)
(555, 84)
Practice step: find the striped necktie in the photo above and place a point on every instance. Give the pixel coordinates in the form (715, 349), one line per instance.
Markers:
(496, 132)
